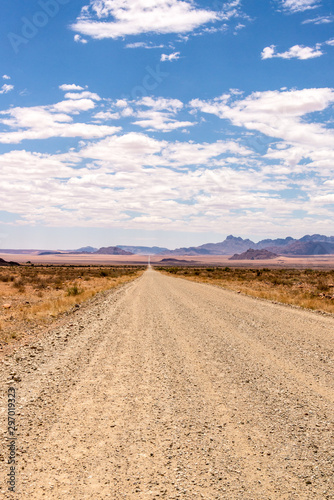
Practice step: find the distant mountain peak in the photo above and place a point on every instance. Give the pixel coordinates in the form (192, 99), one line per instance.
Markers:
(252, 254)
(112, 251)
(143, 250)
(87, 249)
(233, 238)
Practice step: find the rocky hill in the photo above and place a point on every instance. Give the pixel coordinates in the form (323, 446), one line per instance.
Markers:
(5, 263)
(112, 251)
(176, 261)
(252, 254)
(138, 250)
(306, 248)
(87, 250)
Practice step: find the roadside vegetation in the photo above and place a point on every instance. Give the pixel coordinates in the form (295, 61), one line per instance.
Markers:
(307, 288)
(33, 296)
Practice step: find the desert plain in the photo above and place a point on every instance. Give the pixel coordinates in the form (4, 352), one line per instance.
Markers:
(168, 381)
(313, 261)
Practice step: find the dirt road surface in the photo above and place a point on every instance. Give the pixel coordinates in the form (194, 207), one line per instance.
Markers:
(171, 389)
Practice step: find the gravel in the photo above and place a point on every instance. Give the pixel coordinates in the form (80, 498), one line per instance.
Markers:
(166, 388)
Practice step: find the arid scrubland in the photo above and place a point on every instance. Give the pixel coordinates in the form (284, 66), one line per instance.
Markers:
(308, 288)
(31, 296)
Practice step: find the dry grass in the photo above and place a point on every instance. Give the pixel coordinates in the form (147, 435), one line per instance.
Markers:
(32, 296)
(308, 288)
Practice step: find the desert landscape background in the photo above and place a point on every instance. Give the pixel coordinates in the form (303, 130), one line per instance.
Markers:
(167, 250)
(38, 286)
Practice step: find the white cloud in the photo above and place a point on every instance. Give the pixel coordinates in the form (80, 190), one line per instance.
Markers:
(126, 112)
(83, 95)
(209, 154)
(136, 151)
(299, 5)
(143, 45)
(121, 103)
(180, 185)
(170, 57)
(126, 152)
(158, 120)
(6, 88)
(330, 42)
(66, 191)
(73, 106)
(161, 103)
(319, 20)
(277, 114)
(106, 115)
(118, 18)
(151, 113)
(158, 114)
(295, 52)
(6, 77)
(43, 122)
(319, 160)
(32, 165)
(49, 190)
(66, 87)
(239, 27)
(79, 39)
(268, 52)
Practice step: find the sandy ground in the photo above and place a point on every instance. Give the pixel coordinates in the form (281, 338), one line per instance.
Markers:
(171, 389)
(301, 262)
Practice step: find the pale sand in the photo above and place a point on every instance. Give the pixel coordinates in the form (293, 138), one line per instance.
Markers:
(313, 262)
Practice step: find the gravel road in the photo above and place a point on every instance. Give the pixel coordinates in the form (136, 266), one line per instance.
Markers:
(166, 388)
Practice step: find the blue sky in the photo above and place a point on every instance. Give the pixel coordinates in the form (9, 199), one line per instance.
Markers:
(165, 122)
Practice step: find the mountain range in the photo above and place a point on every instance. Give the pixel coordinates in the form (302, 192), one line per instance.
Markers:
(315, 244)
(144, 250)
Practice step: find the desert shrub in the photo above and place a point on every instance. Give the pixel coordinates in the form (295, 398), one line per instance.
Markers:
(18, 283)
(73, 290)
(173, 270)
(40, 283)
(58, 284)
(322, 285)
